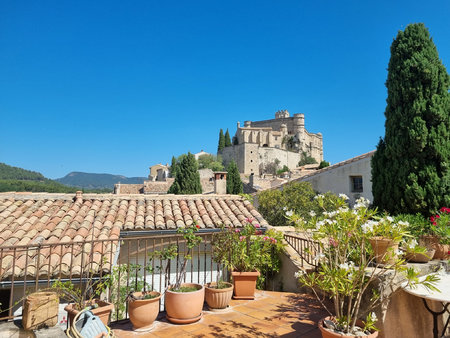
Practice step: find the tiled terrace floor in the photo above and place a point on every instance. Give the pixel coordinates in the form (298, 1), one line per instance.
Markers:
(271, 314)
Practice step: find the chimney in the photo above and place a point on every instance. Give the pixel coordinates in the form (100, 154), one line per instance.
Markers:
(220, 182)
(79, 195)
(252, 180)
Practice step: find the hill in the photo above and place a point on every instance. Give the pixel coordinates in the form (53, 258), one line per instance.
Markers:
(97, 181)
(18, 179)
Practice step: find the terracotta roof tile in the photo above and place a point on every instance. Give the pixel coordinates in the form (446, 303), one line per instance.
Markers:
(47, 220)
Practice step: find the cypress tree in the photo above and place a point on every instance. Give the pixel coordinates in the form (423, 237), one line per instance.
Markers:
(410, 169)
(173, 167)
(187, 178)
(234, 183)
(227, 139)
(221, 141)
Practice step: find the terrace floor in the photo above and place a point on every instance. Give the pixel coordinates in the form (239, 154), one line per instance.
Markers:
(271, 314)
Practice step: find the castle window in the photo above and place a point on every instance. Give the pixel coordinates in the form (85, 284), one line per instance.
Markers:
(356, 184)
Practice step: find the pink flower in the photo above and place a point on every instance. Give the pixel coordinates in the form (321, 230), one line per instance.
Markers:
(256, 225)
(241, 238)
(273, 240)
(237, 230)
(259, 232)
(249, 220)
(265, 238)
(333, 242)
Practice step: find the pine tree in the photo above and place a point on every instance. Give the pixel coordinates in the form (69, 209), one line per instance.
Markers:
(227, 139)
(234, 183)
(187, 178)
(410, 169)
(221, 141)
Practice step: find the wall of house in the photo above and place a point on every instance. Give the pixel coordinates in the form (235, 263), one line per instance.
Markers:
(338, 180)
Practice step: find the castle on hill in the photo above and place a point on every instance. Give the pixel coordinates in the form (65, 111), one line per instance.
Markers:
(283, 139)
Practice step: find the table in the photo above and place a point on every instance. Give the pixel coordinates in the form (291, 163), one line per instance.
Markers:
(442, 296)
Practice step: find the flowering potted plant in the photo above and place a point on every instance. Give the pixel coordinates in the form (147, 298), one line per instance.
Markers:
(347, 267)
(246, 252)
(440, 227)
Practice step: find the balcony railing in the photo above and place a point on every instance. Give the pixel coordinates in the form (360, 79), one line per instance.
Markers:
(307, 249)
(128, 260)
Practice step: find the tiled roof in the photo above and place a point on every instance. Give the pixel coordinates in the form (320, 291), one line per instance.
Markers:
(42, 219)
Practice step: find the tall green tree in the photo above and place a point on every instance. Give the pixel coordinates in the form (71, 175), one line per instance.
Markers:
(173, 167)
(234, 182)
(187, 178)
(227, 139)
(410, 169)
(221, 141)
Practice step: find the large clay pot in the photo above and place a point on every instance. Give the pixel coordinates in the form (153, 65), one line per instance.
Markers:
(420, 257)
(218, 298)
(143, 312)
(384, 249)
(244, 284)
(185, 307)
(327, 333)
(103, 311)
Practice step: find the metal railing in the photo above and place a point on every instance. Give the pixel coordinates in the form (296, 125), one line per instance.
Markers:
(307, 249)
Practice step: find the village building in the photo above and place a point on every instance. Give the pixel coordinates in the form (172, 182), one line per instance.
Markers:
(283, 139)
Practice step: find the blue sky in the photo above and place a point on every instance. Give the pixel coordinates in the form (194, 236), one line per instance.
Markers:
(117, 86)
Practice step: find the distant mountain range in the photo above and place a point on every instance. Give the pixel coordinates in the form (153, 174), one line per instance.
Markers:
(97, 181)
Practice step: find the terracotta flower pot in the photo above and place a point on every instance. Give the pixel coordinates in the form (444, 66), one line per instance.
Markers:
(185, 307)
(218, 298)
(143, 312)
(328, 333)
(432, 242)
(384, 249)
(244, 284)
(103, 311)
(420, 257)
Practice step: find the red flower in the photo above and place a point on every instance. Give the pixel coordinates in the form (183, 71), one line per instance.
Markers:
(197, 226)
(438, 216)
(432, 218)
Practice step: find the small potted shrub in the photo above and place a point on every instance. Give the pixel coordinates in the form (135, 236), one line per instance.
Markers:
(245, 252)
(218, 295)
(183, 301)
(143, 308)
(80, 299)
(347, 267)
(440, 227)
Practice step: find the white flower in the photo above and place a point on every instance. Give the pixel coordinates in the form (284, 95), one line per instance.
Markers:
(319, 257)
(312, 213)
(390, 219)
(398, 252)
(373, 316)
(342, 209)
(320, 223)
(361, 203)
(411, 244)
(344, 266)
(343, 196)
(299, 273)
(289, 213)
(403, 223)
(368, 226)
(318, 196)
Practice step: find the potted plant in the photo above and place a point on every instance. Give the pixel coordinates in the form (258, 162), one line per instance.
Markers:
(143, 308)
(440, 227)
(343, 272)
(245, 252)
(415, 253)
(80, 298)
(386, 235)
(183, 301)
(218, 295)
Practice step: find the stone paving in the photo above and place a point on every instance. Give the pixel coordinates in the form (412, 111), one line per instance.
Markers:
(271, 314)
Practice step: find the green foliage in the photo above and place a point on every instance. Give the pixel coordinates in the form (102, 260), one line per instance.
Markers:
(43, 186)
(410, 169)
(248, 249)
(227, 139)
(295, 196)
(417, 224)
(306, 159)
(283, 170)
(210, 162)
(324, 164)
(187, 178)
(234, 182)
(440, 225)
(8, 172)
(290, 142)
(221, 144)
